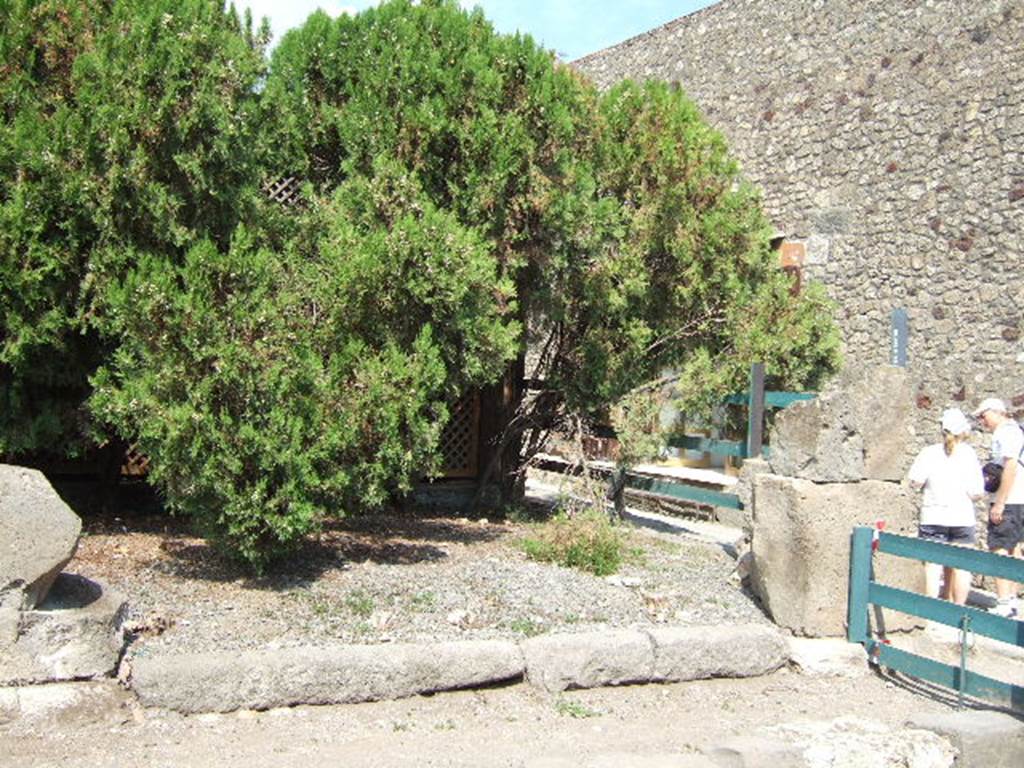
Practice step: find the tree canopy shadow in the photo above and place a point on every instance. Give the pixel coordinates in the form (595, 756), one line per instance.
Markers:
(386, 539)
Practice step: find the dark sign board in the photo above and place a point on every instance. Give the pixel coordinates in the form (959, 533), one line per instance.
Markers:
(898, 343)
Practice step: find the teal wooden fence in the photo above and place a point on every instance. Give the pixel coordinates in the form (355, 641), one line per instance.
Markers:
(865, 591)
(757, 400)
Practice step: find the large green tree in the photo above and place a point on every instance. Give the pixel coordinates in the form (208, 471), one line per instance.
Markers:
(467, 200)
(624, 226)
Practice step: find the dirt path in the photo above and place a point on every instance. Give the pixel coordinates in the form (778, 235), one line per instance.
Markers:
(649, 725)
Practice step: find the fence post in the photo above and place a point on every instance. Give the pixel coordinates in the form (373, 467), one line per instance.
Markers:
(860, 577)
(755, 411)
(616, 492)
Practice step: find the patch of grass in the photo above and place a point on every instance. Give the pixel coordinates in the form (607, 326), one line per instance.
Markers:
(570, 708)
(587, 540)
(361, 629)
(359, 603)
(526, 627)
(320, 606)
(424, 601)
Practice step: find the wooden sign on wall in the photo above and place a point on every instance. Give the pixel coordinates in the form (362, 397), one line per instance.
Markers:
(792, 255)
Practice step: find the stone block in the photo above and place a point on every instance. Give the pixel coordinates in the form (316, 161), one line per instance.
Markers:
(801, 547)
(340, 674)
(983, 738)
(698, 653)
(38, 533)
(883, 411)
(816, 440)
(74, 635)
(744, 488)
(846, 741)
(588, 660)
(860, 427)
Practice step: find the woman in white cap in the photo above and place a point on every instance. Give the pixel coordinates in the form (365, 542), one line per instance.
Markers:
(950, 475)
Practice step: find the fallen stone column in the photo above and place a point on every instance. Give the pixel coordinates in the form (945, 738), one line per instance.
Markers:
(343, 674)
(671, 654)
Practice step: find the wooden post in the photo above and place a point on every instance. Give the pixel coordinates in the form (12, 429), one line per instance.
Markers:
(616, 492)
(755, 411)
(857, 626)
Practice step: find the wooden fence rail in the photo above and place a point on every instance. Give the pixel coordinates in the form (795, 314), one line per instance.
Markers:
(757, 400)
(865, 591)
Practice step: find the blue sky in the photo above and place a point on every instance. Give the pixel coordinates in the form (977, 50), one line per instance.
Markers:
(572, 28)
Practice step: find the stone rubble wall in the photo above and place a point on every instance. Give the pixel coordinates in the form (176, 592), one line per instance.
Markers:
(888, 139)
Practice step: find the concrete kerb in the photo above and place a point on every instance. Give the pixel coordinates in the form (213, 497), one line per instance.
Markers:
(225, 681)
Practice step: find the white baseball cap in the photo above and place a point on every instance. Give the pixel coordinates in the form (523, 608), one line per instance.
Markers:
(954, 422)
(990, 404)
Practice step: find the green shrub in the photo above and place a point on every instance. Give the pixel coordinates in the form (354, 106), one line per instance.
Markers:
(128, 127)
(587, 540)
(271, 390)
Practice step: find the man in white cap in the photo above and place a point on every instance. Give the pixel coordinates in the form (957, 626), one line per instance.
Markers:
(1006, 515)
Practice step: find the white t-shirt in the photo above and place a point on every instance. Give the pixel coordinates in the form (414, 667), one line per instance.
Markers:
(949, 482)
(1007, 441)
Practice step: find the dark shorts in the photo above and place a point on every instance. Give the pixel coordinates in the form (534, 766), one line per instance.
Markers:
(948, 534)
(1010, 532)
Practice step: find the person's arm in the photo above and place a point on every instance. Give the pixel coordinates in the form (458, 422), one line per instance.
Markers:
(1005, 484)
(975, 481)
(1010, 466)
(918, 474)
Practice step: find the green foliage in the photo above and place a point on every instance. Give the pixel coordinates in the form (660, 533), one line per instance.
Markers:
(575, 709)
(629, 239)
(270, 389)
(465, 196)
(122, 126)
(696, 287)
(587, 540)
(636, 418)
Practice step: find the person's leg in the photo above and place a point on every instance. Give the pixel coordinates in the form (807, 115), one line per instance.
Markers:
(960, 580)
(1004, 539)
(932, 571)
(946, 590)
(932, 578)
(961, 586)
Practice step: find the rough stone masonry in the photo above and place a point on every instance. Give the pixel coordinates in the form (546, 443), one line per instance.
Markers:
(888, 140)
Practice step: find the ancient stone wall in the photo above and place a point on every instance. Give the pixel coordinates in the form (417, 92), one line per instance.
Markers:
(888, 139)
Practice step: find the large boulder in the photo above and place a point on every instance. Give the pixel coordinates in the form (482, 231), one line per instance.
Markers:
(75, 634)
(860, 427)
(38, 534)
(801, 547)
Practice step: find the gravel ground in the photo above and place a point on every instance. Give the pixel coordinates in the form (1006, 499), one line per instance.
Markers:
(397, 578)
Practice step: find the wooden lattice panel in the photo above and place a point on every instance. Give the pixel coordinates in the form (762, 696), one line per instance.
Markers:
(286, 190)
(461, 437)
(136, 463)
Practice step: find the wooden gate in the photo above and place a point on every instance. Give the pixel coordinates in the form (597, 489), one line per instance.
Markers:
(460, 441)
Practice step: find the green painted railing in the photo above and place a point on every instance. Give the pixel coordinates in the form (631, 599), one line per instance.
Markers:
(865, 591)
(756, 399)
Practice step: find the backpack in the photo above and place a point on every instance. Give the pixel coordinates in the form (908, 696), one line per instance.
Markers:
(992, 472)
